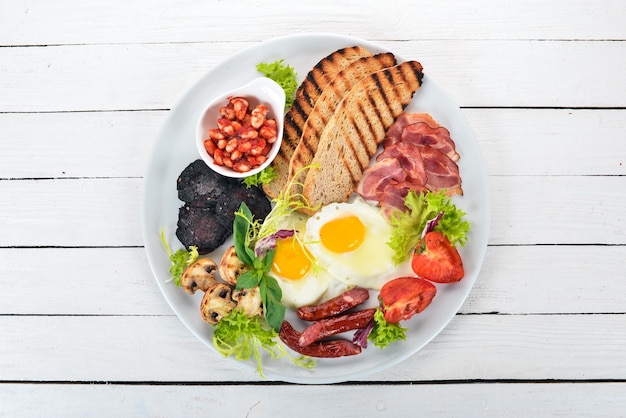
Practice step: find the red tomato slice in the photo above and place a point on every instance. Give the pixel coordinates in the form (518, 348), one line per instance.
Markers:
(437, 260)
(405, 296)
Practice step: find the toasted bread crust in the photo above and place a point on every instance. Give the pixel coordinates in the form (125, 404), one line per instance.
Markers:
(306, 96)
(357, 127)
(327, 104)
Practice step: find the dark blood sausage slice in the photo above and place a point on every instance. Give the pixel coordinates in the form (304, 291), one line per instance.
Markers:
(339, 304)
(200, 227)
(210, 202)
(325, 349)
(335, 325)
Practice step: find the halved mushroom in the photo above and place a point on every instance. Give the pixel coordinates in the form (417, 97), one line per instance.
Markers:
(231, 267)
(199, 276)
(249, 301)
(216, 303)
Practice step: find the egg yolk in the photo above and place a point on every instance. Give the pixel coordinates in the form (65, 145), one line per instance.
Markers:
(291, 259)
(343, 234)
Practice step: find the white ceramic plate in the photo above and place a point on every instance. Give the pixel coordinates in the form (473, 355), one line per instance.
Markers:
(175, 148)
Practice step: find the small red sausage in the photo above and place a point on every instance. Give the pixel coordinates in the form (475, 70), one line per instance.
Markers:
(335, 325)
(326, 349)
(347, 300)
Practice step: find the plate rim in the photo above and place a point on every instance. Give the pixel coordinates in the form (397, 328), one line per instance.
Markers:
(306, 377)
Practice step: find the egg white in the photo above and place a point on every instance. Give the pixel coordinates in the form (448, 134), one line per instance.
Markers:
(308, 290)
(313, 287)
(371, 264)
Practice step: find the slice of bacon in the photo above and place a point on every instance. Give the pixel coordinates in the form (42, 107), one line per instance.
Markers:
(392, 198)
(443, 173)
(438, 138)
(394, 133)
(378, 176)
(418, 154)
(410, 159)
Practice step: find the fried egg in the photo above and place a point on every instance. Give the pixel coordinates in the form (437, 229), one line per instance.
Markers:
(349, 240)
(301, 282)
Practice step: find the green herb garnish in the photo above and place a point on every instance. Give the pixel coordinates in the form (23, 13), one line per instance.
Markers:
(244, 235)
(262, 177)
(285, 204)
(244, 337)
(180, 259)
(282, 74)
(384, 333)
(407, 226)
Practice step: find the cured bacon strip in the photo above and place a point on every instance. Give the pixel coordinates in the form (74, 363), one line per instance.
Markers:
(394, 133)
(418, 154)
(443, 173)
(410, 159)
(438, 138)
(392, 198)
(378, 176)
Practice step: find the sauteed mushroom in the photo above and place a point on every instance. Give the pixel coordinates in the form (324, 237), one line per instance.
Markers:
(216, 303)
(249, 301)
(199, 276)
(231, 267)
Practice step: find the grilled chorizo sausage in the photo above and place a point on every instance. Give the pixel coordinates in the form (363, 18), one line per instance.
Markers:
(339, 304)
(335, 325)
(325, 349)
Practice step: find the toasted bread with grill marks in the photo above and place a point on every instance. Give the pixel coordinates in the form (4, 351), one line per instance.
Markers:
(307, 94)
(325, 108)
(358, 126)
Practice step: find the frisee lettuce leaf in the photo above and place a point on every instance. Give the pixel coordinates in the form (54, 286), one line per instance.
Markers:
(244, 337)
(407, 226)
(179, 259)
(286, 203)
(284, 75)
(384, 333)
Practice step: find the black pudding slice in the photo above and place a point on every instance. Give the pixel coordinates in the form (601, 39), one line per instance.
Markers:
(210, 202)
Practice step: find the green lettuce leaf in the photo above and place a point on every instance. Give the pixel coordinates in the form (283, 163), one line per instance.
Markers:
(385, 333)
(407, 226)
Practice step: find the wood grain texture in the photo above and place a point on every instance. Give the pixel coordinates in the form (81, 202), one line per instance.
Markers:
(105, 212)
(484, 399)
(471, 347)
(514, 280)
(154, 76)
(514, 142)
(200, 21)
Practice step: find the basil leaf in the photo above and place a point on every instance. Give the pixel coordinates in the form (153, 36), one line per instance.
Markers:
(273, 288)
(258, 264)
(241, 226)
(267, 261)
(276, 315)
(273, 309)
(248, 280)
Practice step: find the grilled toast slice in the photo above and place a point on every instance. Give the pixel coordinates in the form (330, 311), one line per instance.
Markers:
(358, 126)
(325, 108)
(306, 96)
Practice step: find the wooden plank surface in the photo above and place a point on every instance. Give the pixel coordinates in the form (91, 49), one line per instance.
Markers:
(198, 21)
(525, 210)
(155, 76)
(455, 399)
(514, 280)
(520, 142)
(472, 347)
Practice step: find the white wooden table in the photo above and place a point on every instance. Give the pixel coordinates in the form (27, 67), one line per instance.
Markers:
(85, 87)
